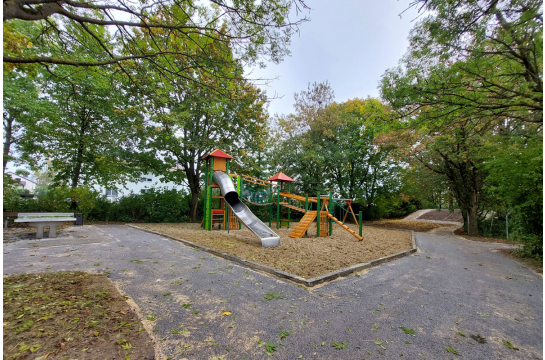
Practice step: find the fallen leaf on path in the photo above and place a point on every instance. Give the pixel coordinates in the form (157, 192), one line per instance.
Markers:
(225, 313)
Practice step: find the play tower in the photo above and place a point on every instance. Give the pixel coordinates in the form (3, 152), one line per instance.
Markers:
(223, 204)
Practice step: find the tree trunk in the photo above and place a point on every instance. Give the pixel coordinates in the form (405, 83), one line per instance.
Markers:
(193, 208)
(471, 216)
(7, 143)
(79, 162)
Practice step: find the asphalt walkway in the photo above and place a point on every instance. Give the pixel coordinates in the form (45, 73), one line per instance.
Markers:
(453, 296)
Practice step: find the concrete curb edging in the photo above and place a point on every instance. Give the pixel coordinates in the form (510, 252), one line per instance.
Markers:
(285, 275)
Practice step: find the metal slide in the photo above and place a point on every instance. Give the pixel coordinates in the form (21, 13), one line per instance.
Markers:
(229, 193)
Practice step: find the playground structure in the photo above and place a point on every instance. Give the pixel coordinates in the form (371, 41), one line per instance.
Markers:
(232, 212)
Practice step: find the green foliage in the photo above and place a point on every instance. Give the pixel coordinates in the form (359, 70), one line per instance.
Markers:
(469, 102)
(271, 296)
(408, 331)
(270, 347)
(258, 30)
(92, 135)
(329, 146)
(337, 346)
(479, 59)
(156, 206)
(451, 350)
(509, 345)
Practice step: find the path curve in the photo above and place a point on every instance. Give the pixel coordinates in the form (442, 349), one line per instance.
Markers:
(450, 290)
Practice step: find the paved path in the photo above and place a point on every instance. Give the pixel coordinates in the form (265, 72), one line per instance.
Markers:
(450, 287)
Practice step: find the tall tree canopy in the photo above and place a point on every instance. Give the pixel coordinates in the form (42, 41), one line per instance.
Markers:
(328, 146)
(92, 135)
(254, 30)
(473, 77)
(190, 119)
(482, 59)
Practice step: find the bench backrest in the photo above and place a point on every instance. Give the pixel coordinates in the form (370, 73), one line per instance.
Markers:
(44, 215)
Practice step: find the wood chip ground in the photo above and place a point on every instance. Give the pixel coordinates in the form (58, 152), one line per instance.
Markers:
(307, 257)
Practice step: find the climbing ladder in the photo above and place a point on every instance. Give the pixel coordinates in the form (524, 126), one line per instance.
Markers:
(344, 227)
(303, 224)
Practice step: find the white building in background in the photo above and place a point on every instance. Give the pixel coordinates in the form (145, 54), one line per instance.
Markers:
(24, 182)
(145, 184)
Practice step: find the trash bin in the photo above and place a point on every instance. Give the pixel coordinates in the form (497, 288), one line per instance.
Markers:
(79, 219)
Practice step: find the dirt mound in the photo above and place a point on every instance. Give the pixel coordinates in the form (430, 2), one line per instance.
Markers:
(443, 215)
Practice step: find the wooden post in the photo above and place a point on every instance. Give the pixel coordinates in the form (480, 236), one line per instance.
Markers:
(306, 209)
(278, 207)
(360, 224)
(289, 210)
(318, 216)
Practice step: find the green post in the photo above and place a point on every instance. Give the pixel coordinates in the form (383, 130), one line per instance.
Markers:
(226, 207)
(206, 191)
(318, 215)
(270, 204)
(331, 208)
(211, 181)
(239, 190)
(278, 207)
(360, 223)
(289, 210)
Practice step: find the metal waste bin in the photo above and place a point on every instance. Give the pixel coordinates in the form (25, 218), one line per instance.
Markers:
(79, 219)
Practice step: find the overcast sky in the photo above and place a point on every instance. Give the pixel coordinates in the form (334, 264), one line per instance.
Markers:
(350, 43)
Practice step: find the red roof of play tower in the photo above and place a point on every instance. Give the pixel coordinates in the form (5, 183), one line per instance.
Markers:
(281, 177)
(217, 153)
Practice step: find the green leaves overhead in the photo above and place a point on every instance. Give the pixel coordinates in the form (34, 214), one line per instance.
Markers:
(130, 36)
(469, 92)
(480, 59)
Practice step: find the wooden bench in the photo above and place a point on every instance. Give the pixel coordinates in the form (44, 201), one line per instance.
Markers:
(41, 220)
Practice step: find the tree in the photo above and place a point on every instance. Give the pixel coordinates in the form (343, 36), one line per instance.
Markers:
(190, 119)
(361, 165)
(328, 146)
(514, 186)
(458, 159)
(473, 73)
(482, 59)
(431, 188)
(255, 30)
(21, 106)
(297, 150)
(93, 135)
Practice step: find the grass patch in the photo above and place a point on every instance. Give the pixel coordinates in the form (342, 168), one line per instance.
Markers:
(60, 315)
